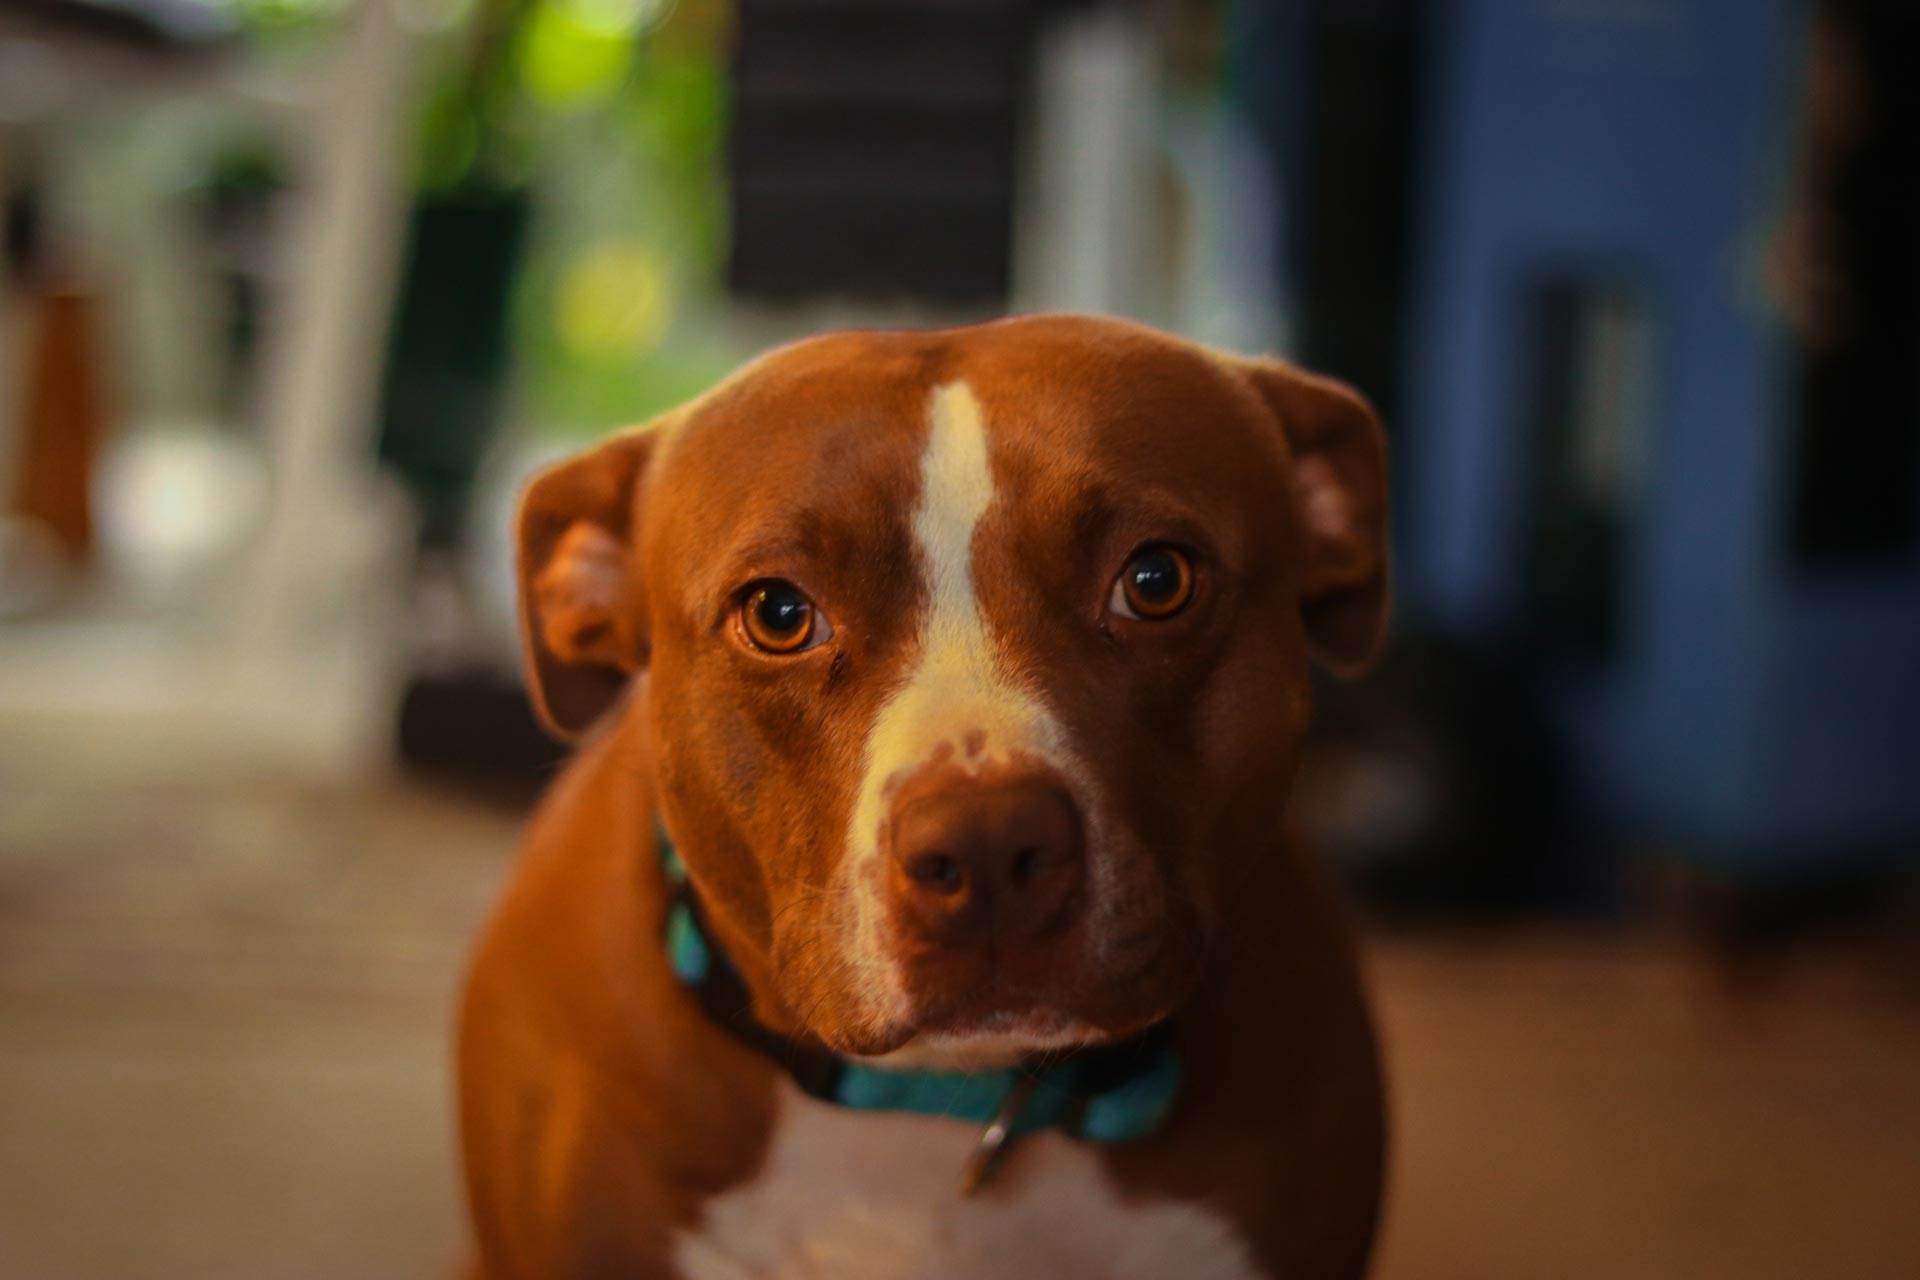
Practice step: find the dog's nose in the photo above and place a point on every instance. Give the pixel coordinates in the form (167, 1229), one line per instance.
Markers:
(974, 863)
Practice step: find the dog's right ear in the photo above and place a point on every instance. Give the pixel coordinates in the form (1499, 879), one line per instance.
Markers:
(582, 609)
(1339, 491)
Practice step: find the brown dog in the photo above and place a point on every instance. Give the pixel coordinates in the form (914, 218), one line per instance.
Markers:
(966, 671)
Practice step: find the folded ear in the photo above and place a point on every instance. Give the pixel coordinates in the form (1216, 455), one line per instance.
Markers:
(1339, 485)
(582, 611)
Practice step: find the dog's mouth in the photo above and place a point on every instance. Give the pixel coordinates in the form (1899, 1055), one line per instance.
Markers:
(992, 1043)
(982, 1007)
(1002, 1019)
(981, 1035)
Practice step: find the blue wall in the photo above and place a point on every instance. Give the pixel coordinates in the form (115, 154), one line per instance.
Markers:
(1754, 711)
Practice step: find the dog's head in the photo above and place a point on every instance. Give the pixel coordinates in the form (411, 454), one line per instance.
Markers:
(977, 659)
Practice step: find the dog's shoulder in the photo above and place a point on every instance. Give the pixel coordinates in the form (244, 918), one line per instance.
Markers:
(599, 1107)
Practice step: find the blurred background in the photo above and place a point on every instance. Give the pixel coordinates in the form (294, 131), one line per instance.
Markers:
(295, 293)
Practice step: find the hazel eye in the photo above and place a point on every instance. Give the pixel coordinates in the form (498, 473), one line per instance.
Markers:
(777, 617)
(1157, 583)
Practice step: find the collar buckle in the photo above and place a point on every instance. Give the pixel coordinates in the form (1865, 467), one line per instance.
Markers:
(995, 1138)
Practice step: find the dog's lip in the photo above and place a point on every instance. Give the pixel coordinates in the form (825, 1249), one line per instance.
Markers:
(992, 1042)
(960, 1037)
(1091, 1010)
(959, 1030)
(1043, 1022)
(1045, 1026)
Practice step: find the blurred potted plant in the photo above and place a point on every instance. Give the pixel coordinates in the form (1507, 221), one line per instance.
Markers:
(447, 359)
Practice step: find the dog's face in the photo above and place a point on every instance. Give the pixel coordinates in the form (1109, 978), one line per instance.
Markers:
(978, 659)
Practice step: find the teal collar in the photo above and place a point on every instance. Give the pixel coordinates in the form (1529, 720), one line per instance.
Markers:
(1112, 1094)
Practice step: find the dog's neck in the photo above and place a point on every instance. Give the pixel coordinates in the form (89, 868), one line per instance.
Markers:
(1108, 1093)
(745, 955)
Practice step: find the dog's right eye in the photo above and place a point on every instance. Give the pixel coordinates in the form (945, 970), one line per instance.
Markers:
(777, 617)
(1156, 584)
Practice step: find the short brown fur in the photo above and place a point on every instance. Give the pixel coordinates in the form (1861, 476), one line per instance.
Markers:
(600, 1108)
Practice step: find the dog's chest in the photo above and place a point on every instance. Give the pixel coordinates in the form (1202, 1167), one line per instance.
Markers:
(852, 1195)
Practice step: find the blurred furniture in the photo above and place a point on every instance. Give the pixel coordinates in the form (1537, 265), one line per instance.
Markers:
(872, 147)
(57, 362)
(60, 432)
(448, 360)
(133, 28)
(289, 656)
(1089, 233)
(1599, 449)
(312, 649)
(1334, 89)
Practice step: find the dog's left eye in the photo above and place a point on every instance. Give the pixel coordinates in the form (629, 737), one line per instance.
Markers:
(1157, 583)
(777, 617)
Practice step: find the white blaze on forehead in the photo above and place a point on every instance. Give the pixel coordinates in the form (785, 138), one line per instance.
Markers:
(956, 488)
(956, 694)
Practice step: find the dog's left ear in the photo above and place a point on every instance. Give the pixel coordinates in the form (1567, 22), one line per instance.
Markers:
(582, 610)
(1339, 490)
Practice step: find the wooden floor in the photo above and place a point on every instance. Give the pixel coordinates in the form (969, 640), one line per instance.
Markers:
(223, 1053)
(1608, 1108)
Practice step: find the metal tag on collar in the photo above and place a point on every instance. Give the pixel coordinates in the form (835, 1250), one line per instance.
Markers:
(992, 1144)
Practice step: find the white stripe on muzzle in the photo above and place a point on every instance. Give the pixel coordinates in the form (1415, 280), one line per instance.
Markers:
(956, 694)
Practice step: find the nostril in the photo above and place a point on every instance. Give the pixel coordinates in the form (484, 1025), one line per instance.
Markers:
(974, 860)
(1025, 863)
(935, 871)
